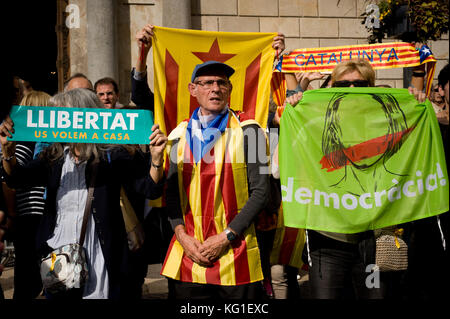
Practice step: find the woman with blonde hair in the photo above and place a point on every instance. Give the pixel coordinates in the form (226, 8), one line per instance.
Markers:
(353, 72)
(337, 268)
(338, 261)
(67, 171)
(36, 98)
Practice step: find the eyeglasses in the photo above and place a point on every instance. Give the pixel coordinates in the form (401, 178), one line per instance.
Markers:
(356, 83)
(222, 84)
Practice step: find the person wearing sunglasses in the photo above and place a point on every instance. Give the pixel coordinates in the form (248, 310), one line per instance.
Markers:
(337, 270)
(338, 261)
(353, 73)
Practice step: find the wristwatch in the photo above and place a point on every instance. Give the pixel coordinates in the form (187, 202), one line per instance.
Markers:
(230, 235)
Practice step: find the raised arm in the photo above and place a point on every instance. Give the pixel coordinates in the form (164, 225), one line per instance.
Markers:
(141, 95)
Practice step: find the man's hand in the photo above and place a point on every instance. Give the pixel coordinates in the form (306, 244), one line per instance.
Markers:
(144, 37)
(294, 99)
(418, 95)
(310, 76)
(6, 130)
(144, 43)
(191, 247)
(213, 247)
(158, 142)
(305, 78)
(278, 43)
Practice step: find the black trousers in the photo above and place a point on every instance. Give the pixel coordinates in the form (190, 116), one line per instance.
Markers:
(338, 269)
(27, 277)
(186, 290)
(69, 295)
(427, 276)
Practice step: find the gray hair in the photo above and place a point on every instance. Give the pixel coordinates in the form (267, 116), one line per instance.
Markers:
(78, 98)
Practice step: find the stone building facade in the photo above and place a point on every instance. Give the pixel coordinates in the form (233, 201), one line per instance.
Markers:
(103, 44)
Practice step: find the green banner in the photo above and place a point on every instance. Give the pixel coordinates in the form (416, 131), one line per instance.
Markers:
(356, 159)
(81, 125)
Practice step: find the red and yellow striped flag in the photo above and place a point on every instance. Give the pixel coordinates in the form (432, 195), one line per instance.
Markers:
(212, 194)
(278, 84)
(380, 56)
(177, 51)
(288, 244)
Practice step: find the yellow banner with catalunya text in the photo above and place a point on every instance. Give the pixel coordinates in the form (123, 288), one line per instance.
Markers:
(379, 55)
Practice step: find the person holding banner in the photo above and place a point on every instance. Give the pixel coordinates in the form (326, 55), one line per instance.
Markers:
(141, 95)
(66, 170)
(156, 225)
(338, 261)
(29, 208)
(214, 193)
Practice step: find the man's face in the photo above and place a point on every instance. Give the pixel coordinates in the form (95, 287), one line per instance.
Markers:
(212, 92)
(106, 94)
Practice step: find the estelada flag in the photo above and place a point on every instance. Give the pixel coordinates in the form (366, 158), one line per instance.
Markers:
(177, 51)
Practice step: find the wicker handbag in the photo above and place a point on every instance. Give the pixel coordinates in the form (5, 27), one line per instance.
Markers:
(391, 251)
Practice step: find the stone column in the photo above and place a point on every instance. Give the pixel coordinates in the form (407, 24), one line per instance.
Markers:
(177, 14)
(101, 40)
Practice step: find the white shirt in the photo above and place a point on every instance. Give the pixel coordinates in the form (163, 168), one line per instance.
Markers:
(70, 204)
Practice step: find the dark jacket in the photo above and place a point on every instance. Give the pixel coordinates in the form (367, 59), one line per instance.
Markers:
(109, 225)
(141, 95)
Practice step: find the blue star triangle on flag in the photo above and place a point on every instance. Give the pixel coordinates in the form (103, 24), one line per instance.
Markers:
(424, 53)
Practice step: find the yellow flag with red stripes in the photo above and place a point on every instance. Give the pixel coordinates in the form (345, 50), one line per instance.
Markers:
(278, 84)
(177, 51)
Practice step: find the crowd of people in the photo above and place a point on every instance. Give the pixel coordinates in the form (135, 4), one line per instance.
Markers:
(215, 233)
